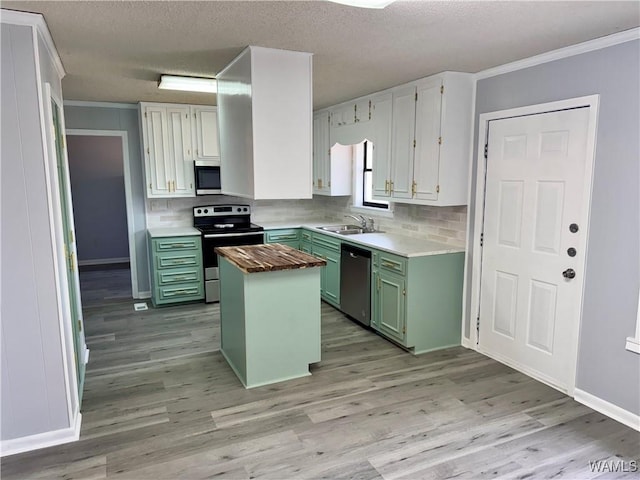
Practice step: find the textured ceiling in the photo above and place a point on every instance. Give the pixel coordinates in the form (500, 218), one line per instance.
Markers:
(116, 51)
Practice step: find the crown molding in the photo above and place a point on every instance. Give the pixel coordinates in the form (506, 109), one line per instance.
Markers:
(37, 22)
(570, 51)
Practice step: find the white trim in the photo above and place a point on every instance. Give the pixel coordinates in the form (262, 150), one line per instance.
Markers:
(466, 341)
(82, 103)
(37, 22)
(473, 238)
(67, 338)
(128, 193)
(103, 261)
(42, 440)
(619, 414)
(633, 343)
(86, 356)
(570, 51)
(144, 294)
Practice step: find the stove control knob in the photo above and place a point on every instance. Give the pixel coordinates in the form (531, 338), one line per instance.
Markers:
(206, 210)
(199, 211)
(239, 209)
(245, 209)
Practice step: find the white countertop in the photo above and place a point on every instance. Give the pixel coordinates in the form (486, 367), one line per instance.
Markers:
(172, 232)
(402, 245)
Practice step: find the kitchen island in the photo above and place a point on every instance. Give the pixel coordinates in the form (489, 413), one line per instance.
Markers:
(269, 312)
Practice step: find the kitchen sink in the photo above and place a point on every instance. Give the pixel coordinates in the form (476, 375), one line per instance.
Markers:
(343, 229)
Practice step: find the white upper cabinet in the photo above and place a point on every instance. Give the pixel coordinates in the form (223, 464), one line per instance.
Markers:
(381, 106)
(166, 138)
(205, 133)
(265, 124)
(332, 165)
(430, 142)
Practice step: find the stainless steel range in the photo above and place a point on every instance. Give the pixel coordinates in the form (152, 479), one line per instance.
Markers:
(223, 226)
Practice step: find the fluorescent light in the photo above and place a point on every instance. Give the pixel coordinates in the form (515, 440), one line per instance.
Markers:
(188, 84)
(365, 3)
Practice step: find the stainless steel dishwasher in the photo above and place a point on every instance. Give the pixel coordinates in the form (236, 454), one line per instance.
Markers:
(355, 283)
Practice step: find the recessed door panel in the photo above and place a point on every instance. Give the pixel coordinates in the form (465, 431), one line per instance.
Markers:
(542, 315)
(505, 302)
(510, 222)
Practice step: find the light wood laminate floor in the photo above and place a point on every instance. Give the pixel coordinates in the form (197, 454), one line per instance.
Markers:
(161, 402)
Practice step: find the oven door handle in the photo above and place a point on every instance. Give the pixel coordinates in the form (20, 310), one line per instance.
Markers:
(225, 235)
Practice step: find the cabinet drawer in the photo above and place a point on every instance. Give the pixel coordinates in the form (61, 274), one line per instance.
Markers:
(305, 236)
(177, 243)
(181, 260)
(392, 263)
(279, 236)
(327, 242)
(180, 293)
(173, 277)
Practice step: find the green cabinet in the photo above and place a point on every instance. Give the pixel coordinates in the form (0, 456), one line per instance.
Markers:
(288, 236)
(176, 269)
(328, 248)
(305, 241)
(417, 301)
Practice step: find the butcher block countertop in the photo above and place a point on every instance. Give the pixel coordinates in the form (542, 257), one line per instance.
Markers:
(268, 258)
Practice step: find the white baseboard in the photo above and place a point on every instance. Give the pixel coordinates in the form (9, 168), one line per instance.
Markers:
(42, 440)
(466, 343)
(144, 295)
(609, 409)
(86, 355)
(103, 261)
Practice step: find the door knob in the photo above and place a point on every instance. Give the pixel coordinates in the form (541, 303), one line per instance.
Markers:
(569, 273)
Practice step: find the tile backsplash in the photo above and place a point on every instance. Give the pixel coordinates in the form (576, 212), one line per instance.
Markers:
(440, 224)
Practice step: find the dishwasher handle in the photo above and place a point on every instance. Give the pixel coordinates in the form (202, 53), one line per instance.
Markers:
(355, 252)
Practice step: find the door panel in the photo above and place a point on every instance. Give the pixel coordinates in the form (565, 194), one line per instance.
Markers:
(534, 191)
(404, 115)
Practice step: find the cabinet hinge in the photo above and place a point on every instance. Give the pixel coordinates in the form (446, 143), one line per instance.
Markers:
(404, 292)
(437, 188)
(150, 187)
(369, 109)
(79, 325)
(148, 152)
(416, 97)
(414, 143)
(486, 151)
(482, 239)
(404, 329)
(439, 140)
(329, 152)
(145, 114)
(441, 89)
(195, 116)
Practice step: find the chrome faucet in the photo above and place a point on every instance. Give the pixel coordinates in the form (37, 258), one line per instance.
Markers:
(361, 219)
(367, 226)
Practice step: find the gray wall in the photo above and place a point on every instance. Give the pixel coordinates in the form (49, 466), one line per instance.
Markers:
(114, 118)
(99, 205)
(33, 398)
(605, 368)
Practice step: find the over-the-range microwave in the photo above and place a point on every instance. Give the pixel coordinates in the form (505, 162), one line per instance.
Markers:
(207, 178)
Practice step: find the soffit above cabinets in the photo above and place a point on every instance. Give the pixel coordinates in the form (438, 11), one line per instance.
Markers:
(116, 51)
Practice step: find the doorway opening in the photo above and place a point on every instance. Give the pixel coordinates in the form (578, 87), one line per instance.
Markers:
(100, 189)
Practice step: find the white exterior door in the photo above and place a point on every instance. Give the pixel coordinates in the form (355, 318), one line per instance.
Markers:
(533, 252)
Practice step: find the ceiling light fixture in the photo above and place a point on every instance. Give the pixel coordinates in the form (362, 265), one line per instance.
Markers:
(365, 3)
(188, 84)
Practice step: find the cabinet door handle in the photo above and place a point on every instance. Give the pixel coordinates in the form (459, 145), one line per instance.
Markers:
(386, 186)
